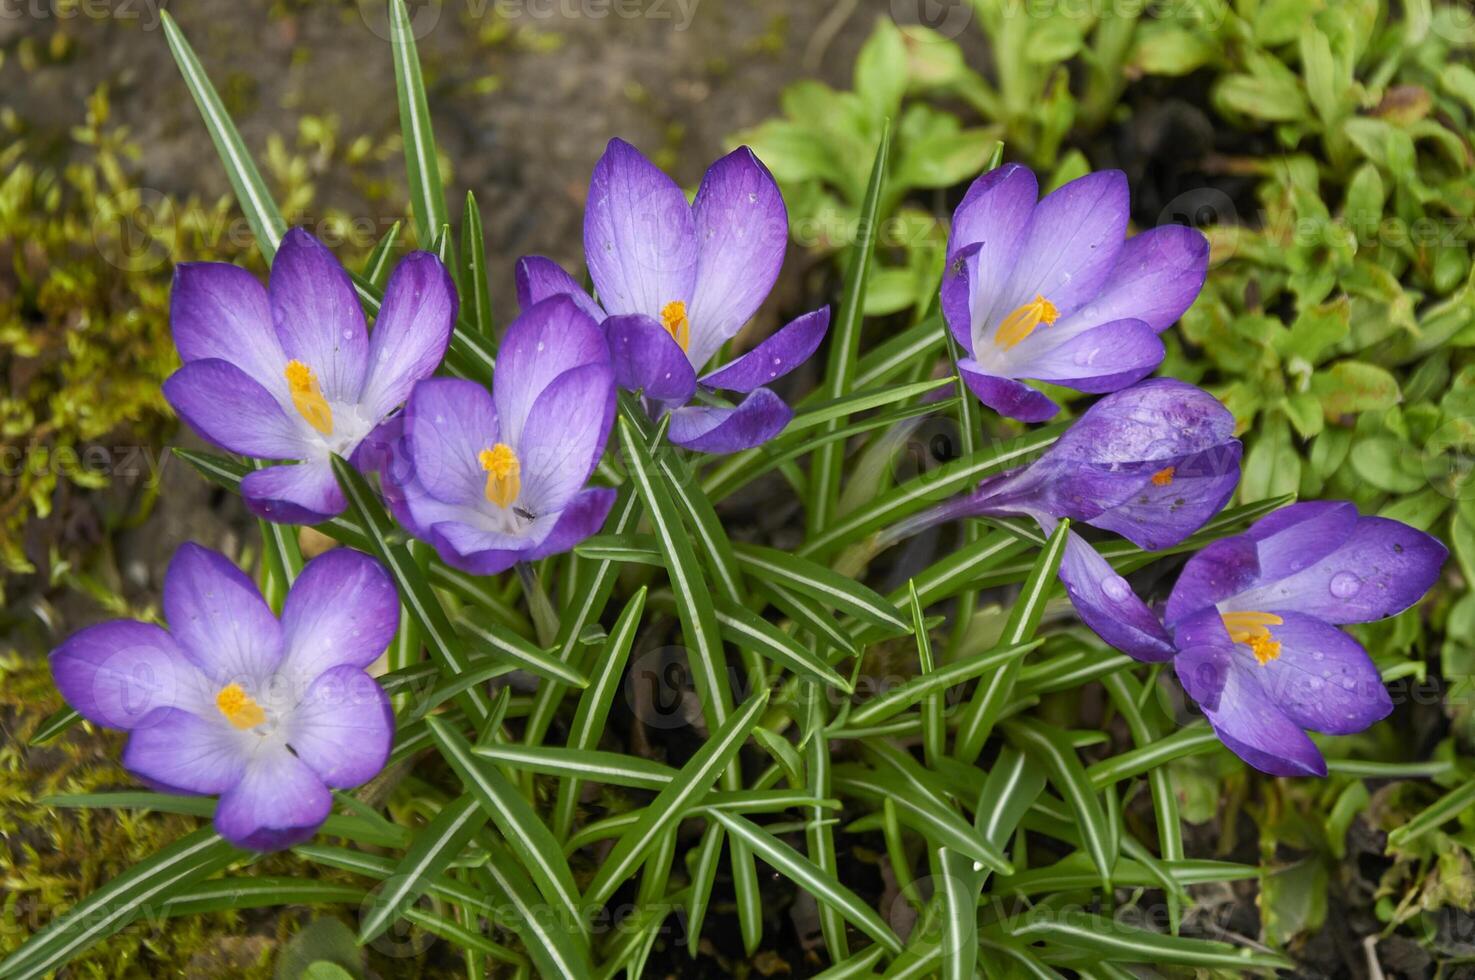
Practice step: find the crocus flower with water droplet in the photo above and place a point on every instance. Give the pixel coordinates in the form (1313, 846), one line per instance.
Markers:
(291, 372)
(1151, 463)
(1053, 290)
(491, 479)
(1254, 621)
(677, 281)
(270, 715)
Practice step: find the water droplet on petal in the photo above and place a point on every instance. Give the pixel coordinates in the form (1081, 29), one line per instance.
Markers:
(1116, 588)
(1345, 585)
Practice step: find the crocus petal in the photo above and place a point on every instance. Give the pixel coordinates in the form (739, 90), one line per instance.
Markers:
(538, 278)
(775, 357)
(994, 215)
(116, 673)
(956, 295)
(224, 405)
(448, 423)
(1299, 536)
(1011, 399)
(1251, 726)
(181, 752)
(317, 315)
(342, 610)
(742, 229)
(411, 333)
(220, 311)
(565, 436)
(1158, 420)
(343, 727)
(1100, 360)
(1205, 654)
(647, 358)
(760, 417)
(307, 493)
(639, 235)
(464, 545)
(1322, 678)
(1385, 567)
(1162, 512)
(550, 338)
(1107, 604)
(583, 517)
(1157, 276)
(278, 802)
(218, 617)
(1074, 237)
(1215, 573)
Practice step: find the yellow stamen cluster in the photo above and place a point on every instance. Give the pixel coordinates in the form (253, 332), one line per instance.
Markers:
(504, 474)
(239, 708)
(1023, 321)
(1164, 476)
(308, 397)
(1253, 630)
(673, 318)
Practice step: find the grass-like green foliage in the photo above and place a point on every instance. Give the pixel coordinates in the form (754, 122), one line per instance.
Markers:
(1013, 800)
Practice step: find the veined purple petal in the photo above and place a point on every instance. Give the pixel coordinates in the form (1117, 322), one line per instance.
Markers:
(583, 517)
(305, 493)
(218, 617)
(550, 338)
(760, 417)
(1157, 276)
(1071, 245)
(775, 357)
(317, 315)
(411, 334)
(1299, 536)
(342, 611)
(647, 358)
(1217, 572)
(639, 234)
(994, 215)
(116, 673)
(219, 311)
(1203, 668)
(1384, 568)
(226, 406)
(449, 422)
(956, 295)
(538, 278)
(1322, 678)
(1157, 420)
(181, 752)
(278, 802)
(1011, 399)
(1107, 604)
(1100, 360)
(343, 728)
(1251, 726)
(1174, 504)
(742, 229)
(565, 436)
(468, 547)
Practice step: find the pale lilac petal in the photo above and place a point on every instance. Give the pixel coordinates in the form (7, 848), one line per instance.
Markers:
(220, 311)
(218, 617)
(775, 357)
(279, 802)
(1383, 569)
(305, 493)
(411, 333)
(115, 673)
(317, 315)
(1011, 399)
(582, 518)
(956, 296)
(225, 406)
(1323, 679)
(1157, 276)
(343, 727)
(342, 610)
(994, 215)
(180, 752)
(448, 423)
(1153, 422)
(1100, 360)
(742, 229)
(1074, 237)
(538, 278)
(639, 234)
(548, 339)
(465, 546)
(1161, 514)
(1250, 724)
(1215, 573)
(760, 417)
(1107, 604)
(565, 436)
(1299, 536)
(647, 358)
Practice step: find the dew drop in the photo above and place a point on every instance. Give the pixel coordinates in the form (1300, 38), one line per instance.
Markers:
(1345, 585)
(540, 345)
(1115, 588)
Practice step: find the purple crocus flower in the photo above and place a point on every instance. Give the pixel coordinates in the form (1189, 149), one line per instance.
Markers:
(1053, 290)
(269, 715)
(290, 372)
(1151, 463)
(677, 281)
(1254, 621)
(491, 479)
